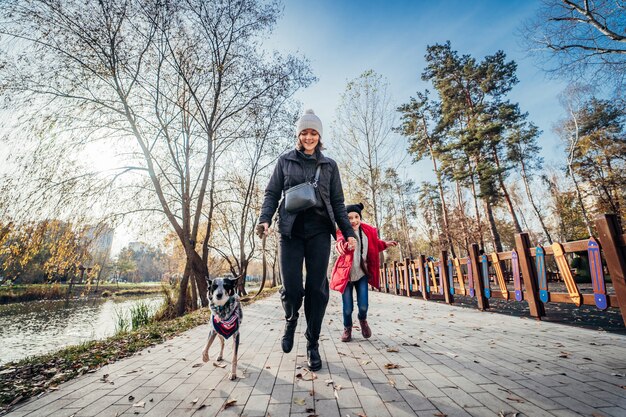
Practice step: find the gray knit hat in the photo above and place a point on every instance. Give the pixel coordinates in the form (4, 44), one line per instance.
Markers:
(309, 121)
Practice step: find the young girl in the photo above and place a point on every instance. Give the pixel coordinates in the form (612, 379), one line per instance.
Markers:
(355, 268)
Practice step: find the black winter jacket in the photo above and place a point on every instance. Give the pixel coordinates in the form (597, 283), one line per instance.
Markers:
(289, 172)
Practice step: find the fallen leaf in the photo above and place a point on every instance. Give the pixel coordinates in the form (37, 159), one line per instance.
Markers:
(194, 400)
(310, 410)
(329, 381)
(202, 407)
(392, 382)
(391, 366)
(140, 404)
(197, 365)
(392, 349)
(365, 363)
(219, 365)
(517, 400)
(412, 386)
(440, 414)
(131, 398)
(299, 401)
(229, 404)
(597, 415)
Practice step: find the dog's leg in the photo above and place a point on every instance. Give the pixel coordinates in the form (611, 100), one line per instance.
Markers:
(209, 342)
(233, 368)
(221, 356)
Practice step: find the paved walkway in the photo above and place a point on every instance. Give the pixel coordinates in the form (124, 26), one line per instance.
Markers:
(451, 361)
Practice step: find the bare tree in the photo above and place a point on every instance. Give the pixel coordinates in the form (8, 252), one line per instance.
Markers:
(362, 127)
(161, 81)
(581, 37)
(267, 134)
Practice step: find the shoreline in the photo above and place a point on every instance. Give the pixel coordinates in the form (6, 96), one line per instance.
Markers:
(55, 292)
(33, 376)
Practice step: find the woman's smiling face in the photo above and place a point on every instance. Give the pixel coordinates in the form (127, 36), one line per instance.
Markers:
(309, 138)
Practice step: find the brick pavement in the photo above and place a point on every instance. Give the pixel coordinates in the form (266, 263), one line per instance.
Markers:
(450, 361)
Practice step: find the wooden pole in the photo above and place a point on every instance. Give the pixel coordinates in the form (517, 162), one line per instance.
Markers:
(407, 277)
(529, 276)
(612, 244)
(421, 259)
(443, 271)
(479, 286)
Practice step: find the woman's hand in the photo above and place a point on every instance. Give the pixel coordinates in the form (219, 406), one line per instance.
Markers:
(351, 243)
(261, 229)
(391, 243)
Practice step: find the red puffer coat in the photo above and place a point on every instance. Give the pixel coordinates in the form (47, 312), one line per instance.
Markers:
(341, 270)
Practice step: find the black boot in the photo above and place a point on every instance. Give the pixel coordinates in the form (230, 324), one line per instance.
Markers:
(313, 358)
(287, 340)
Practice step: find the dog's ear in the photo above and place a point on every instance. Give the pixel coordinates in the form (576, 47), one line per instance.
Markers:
(230, 283)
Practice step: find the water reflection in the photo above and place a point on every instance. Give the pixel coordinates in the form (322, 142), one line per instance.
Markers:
(28, 329)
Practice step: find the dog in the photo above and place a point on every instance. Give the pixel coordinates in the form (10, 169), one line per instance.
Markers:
(226, 316)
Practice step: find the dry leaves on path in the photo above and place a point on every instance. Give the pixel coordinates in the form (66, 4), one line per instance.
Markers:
(229, 404)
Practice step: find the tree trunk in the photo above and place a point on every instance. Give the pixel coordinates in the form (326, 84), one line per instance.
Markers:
(495, 236)
(505, 192)
(459, 197)
(194, 292)
(181, 304)
(532, 202)
(478, 221)
(444, 207)
(570, 161)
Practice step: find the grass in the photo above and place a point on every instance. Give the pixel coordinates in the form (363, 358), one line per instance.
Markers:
(32, 376)
(140, 315)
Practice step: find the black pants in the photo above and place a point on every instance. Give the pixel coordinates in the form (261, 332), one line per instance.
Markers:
(314, 252)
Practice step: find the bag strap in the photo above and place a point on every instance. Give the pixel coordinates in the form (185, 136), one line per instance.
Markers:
(317, 175)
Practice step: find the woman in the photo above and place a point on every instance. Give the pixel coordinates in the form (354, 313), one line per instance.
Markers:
(305, 235)
(355, 268)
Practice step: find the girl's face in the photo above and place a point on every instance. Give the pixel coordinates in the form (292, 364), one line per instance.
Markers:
(355, 220)
(309, 138)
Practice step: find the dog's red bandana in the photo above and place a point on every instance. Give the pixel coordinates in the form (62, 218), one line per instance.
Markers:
(226, 327)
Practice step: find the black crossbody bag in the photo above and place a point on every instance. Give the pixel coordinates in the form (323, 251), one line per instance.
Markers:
(302, 196)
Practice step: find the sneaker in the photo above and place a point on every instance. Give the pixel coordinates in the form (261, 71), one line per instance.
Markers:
(365, 329)
(347, 334)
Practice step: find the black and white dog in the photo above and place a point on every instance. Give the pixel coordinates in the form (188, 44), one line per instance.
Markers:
(226, 317)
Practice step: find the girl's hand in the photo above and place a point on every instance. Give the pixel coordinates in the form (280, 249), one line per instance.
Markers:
(340, 247)
(351, 243)
(391, 243)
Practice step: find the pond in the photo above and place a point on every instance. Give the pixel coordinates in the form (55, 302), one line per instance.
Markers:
(38, 327)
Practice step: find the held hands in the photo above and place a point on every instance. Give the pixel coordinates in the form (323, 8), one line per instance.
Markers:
(342, 247)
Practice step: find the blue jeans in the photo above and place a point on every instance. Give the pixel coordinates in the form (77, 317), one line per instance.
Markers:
(361, 299)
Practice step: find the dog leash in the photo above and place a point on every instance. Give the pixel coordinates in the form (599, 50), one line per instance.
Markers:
(260, 231)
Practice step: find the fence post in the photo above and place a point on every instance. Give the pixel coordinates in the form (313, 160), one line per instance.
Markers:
(611, 243)
(395, 277)
(483, 302)
(420, 265)
(385, 280)
(443, 270)
(522, 244)
(407, 277)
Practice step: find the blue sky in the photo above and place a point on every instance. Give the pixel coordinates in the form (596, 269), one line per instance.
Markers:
(343, 38)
